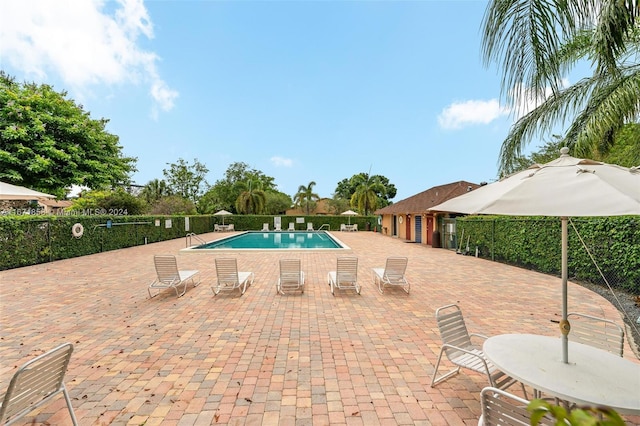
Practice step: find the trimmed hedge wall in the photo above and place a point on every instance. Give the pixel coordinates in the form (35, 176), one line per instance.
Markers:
(29, 240)
(535, 243)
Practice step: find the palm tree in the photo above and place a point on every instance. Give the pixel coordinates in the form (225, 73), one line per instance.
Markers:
(365, 197)
(252, 200)
(306, 197)
(538, 41)
(154, 190)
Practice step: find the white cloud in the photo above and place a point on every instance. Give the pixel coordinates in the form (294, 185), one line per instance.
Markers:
(460, 114)
(83, 43)
(281, 161)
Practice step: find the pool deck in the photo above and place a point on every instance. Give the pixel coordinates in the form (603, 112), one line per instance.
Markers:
(264, 358)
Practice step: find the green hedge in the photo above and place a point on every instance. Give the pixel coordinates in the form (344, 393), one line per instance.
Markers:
(535, 243)
(30, 240)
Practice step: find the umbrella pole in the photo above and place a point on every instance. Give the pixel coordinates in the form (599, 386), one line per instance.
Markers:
(565, 327)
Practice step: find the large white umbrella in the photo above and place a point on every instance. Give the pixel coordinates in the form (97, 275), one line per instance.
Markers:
(222, 213)
(562, 188)
(349, 213)
(14, 192)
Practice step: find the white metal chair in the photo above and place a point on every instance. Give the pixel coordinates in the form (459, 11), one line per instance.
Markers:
(345, 277)
(393, 274)
(291, 276)
(598, 332)
(501, 408)
(36, 383)
(169, 276)
(458, 348)
(229, 278)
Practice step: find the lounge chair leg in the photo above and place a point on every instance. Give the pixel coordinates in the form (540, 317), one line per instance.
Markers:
(444, 377)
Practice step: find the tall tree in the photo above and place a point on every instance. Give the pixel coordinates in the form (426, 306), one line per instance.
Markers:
(538, 41)
(385, 191)
(187, 180)
(49, 143)
(252, 200)
(365, 198)
(225, 192)
(154, 190)
(305, 198)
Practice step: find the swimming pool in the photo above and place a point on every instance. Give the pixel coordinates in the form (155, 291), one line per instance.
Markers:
(275, 240)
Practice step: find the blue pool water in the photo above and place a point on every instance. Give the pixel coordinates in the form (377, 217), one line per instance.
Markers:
(275, 240)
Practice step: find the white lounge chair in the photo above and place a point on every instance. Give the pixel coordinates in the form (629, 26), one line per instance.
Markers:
(291, 276)
(278, 227)
(598, 332)
(169, 276)
(292, 227)
(309, 226)
(458, 348)
(393, 274)
(35, 383)
(265, 226)
(500, 408)
(229, 278)
(345, 277)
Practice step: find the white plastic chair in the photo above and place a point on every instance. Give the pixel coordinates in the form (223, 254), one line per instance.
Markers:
(501, 408)
(169, 276)
(228, 277)
(345, 277)
(292, 226)
(458, 348)
(35, 383)
(309, 226)
(265, 226)
(393, 274)
(597, 332)
(291, 276)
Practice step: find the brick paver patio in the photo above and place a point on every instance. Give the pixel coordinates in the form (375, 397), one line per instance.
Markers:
(264, 358)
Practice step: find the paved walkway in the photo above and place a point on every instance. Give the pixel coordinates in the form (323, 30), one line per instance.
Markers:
(264, 358)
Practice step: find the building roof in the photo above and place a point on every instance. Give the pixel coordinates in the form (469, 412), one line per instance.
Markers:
(424, 200)
(56, 203)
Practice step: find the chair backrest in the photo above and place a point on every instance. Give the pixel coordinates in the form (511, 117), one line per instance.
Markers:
(35, 381)
(395, 268)
(166, 268)
(227, 271)
(290, 271)
(598, 332)
(453, 329)
(347, 270)
(500, 408)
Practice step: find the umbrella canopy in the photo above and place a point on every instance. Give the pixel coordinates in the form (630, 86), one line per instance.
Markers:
(14, 192)
(222, 213)
(564, 187)
(349, 213)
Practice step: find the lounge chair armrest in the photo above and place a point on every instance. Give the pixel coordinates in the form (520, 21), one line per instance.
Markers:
(479, 336)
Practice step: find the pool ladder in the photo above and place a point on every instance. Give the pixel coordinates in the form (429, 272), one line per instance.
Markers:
(191, 235)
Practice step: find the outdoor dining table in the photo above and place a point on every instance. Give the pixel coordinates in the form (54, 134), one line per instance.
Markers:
(591, 377)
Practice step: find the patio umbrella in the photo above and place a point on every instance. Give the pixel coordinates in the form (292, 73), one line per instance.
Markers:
(349, 213)
(14, 192)
(562, 188)
(222, 213)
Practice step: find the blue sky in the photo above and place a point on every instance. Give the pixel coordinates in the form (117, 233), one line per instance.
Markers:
(300, 90)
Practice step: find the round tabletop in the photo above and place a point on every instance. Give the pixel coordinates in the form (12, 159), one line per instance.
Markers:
(591, 377)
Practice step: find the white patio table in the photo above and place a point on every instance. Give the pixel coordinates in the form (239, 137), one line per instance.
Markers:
(592, 376)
